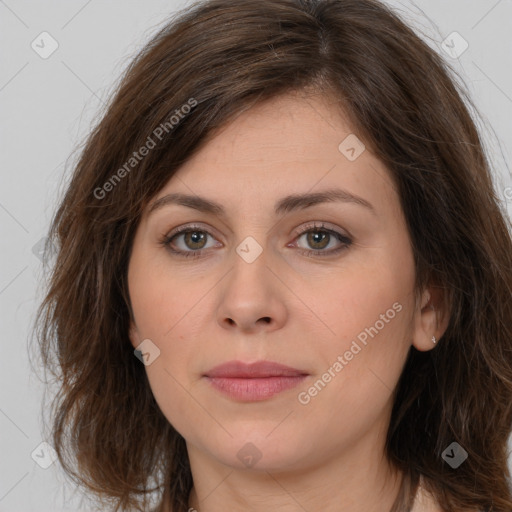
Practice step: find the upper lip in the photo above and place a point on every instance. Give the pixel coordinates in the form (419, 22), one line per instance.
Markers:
(259, 369)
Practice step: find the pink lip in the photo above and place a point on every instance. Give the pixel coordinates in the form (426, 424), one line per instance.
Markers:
(253, 382)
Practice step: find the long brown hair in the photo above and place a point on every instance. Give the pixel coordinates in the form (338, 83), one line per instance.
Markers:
(220, 57)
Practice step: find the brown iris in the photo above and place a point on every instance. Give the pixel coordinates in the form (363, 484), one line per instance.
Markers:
(315, 237)
(196, 237)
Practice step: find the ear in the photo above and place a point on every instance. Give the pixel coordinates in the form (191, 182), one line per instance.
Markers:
(134, 335)
(430, 319)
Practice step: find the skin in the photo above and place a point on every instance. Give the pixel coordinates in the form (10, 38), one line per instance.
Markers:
(327, 454)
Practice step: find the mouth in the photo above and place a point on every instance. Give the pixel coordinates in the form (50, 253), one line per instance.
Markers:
(253, 382)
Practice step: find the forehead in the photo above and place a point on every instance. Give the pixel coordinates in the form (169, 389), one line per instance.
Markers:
(288, 129)
(290, 144)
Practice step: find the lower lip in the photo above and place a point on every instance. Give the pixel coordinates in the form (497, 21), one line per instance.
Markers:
(252, 390)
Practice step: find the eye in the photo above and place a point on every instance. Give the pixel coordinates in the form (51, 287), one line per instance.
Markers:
(318, 237)
(191, 240)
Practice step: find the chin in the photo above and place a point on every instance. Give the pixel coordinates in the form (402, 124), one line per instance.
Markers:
(260, 451)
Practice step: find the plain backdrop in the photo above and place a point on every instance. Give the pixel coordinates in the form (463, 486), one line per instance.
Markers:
(47, 106)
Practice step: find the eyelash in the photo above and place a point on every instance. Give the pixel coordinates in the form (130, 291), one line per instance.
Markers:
(346, 242)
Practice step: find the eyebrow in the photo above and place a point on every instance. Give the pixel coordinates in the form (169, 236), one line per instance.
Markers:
(285, 205)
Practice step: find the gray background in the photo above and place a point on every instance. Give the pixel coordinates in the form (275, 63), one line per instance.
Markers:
(47, 106)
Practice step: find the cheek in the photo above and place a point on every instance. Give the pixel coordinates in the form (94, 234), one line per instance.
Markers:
(169, 310)
(172, 321)
(361, 299)
(360, 366)
(164, 298)
(367, 314)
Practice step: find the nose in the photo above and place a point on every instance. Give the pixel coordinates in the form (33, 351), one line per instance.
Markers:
(252, 297)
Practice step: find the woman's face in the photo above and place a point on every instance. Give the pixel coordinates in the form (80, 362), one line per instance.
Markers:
(342, 315)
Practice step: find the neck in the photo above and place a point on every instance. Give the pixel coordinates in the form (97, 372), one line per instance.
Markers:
(361, 480)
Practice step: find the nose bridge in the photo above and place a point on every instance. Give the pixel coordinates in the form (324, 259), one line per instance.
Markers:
(250, 261)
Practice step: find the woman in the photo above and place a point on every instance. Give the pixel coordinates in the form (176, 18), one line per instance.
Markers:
(284, 277)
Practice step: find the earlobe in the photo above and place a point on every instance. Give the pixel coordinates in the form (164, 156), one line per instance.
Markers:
(427, 323)
(133, 334)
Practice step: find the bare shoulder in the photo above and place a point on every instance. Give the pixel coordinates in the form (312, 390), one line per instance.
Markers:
(425, 502)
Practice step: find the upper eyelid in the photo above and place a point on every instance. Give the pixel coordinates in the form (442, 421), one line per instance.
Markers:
(192, 227)
(318, 225)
